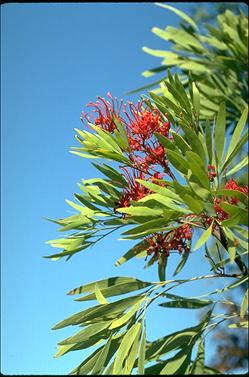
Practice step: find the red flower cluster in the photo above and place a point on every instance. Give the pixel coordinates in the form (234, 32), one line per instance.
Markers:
(212, 174)
(232, 185)
(135, 191)
(141, 122)
(177, 239)
(106, 112)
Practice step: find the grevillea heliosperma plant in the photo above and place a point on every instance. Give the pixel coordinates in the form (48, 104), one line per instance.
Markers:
(167, 174)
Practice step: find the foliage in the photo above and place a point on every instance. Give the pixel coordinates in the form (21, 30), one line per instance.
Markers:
(168, 172)
(217, 60)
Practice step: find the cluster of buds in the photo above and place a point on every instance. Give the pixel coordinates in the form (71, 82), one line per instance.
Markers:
(178, 239)
(211, 173)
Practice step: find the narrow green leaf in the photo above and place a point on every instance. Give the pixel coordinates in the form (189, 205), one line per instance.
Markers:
(204, 237)
(131, 358)
(178, 363)
(237, 133)
(124, 347)
(244, 305)
(198, 366)
(219, 131)
(87, 333)
(141, 357)
(125, 318)
(198, 170)
(99, 296)
(209, 140)
(179, 13)
(162, 264)
(109, 283)
(194, 204)
(178, 161)
(184, 302)
(196, 100)
(182, 263)
(236, 168)
(100, 361)
(134, 251)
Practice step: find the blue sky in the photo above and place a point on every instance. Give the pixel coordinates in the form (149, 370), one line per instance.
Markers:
(56, 58)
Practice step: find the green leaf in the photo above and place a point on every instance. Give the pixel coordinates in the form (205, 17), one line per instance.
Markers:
(244, 305)
(176, 340)
(162, 264)
(99, 312)
(118, 289)
(180, 142)
(198, 366)
(219, 131)
(178, 161)
(178, 363)
(99, 366)
(179, 13)
(87, 333)
(99, 296)
(140, 211)
(184, 302)
(237, 133)
(105, 284)
(194, 204)
(125, 318)
(182, 263)
(134, 251)
(236, 168)
(124, 347)
(149, 227)
(209, 140)
(204, 237)
(159, 189)
(87, 365)
(165, 142)
(195, 143)
(196, 100)
(233, 210)
(131, 358)
(236, 150)
(141, 357)
(196, 166)
(111, 173)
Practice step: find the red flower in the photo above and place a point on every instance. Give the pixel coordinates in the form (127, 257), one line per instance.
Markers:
(135, 191)
(143, 122)
(177, 239)
(106, 112)
(232, 185)
(222, 215)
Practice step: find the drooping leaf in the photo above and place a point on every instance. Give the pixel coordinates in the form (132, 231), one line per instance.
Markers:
(204, 237)
(182, 263)
(141, 358)
(99, 295)
(244, 305)
(134, 251)
(198, 366)
(219, 131)
(124, 347)
(162, 264)
(181, 14)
